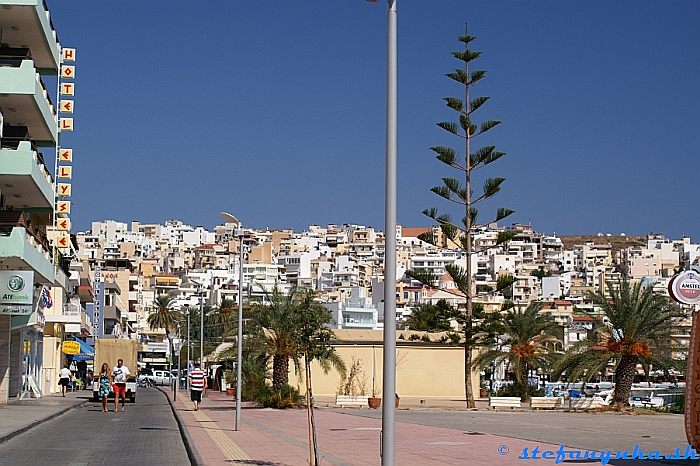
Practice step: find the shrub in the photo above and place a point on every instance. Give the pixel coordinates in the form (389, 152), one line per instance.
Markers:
(284, 398)
(525, 392)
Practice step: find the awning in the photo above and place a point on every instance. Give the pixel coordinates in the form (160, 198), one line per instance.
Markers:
(87, 352)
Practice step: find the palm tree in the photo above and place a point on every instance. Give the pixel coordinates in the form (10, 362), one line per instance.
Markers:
(523, 344)
(278, 318)
(225, 317)
(637, 324)
(164, 316)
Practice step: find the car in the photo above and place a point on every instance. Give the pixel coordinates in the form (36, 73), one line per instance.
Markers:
(162, 377)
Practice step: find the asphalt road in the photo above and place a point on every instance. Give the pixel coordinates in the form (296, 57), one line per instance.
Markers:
(145, 434)
(662, 432)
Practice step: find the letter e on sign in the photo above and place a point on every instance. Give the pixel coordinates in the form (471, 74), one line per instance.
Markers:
(63, 224)
(63, 242)
(66, 106)
(66, 155)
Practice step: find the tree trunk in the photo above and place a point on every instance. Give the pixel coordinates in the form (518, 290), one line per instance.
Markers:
(469, 393)
(280, 371)
(624, 377)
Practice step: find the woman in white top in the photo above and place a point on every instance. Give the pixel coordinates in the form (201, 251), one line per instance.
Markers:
(64, 378)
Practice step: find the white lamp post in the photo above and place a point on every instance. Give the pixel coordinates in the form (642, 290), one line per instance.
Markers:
(388, 451)
(239, 233)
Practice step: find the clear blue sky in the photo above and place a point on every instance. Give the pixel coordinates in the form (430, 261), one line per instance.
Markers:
(275, 111)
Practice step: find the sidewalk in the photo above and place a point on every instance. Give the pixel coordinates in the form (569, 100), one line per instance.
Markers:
(280, 437)
(20, 416)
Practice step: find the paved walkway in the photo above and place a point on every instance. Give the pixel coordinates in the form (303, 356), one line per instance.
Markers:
(145, 433)
(19, 416)
(280, 437)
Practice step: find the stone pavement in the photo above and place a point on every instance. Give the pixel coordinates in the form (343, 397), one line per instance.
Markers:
(19, 416)
(280, 437)
(73, 431)
(146, 433)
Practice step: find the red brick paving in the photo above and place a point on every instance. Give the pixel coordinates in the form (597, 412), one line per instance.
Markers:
(280, 437)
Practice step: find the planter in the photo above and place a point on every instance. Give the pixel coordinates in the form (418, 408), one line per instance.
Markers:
(482, 393)
(396, 401)
(230, 391)
(374, 402)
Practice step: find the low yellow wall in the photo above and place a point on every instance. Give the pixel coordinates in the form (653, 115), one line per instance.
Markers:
(421, 371)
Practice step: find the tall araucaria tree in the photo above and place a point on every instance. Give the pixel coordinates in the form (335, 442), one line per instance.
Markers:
(453, 190)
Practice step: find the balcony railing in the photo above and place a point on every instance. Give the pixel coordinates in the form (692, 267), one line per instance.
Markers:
(15, 218)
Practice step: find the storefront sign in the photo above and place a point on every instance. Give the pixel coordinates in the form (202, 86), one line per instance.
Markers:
(70, 347)
(692, 387)
(15, 310)
(685, 287)
(16, 287)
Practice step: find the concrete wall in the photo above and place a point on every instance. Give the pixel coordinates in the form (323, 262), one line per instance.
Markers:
(421, 371)
(4, 358)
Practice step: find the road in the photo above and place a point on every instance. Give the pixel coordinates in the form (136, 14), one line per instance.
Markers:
(663, 432)
(145, 434)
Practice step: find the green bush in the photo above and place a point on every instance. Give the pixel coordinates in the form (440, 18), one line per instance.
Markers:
(284, 398)
(525, 392)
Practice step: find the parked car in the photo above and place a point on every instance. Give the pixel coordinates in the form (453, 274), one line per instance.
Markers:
(162, 377)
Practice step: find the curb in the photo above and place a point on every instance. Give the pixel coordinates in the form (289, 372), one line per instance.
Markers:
(192, 453)
(24, 429)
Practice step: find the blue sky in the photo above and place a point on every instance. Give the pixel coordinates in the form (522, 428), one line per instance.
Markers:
(275, 111)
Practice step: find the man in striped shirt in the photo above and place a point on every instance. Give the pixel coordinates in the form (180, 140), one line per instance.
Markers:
(197, 384)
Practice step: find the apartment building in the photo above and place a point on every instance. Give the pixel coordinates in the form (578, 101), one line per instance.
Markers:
(34, 272)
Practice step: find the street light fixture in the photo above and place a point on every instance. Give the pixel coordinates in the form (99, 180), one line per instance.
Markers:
(388, 451)
(239, 341)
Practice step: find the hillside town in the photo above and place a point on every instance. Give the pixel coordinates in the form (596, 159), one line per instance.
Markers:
(131, 265)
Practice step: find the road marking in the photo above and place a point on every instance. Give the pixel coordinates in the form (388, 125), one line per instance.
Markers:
(230, 449)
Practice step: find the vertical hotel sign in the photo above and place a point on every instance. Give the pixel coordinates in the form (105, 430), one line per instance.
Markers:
(98, 291)
(64, 168)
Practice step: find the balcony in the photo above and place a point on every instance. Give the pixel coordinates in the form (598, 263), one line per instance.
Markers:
(71, 314)
(24, 178)
(22, 250)
(27, 22)
(112, 313)
(25, 101)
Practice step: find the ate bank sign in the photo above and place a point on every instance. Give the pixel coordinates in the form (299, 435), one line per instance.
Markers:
(16, 292)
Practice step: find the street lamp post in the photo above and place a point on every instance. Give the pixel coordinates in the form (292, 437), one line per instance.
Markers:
(239, 354)
(388, 407)
(201, 329)
(188, 337)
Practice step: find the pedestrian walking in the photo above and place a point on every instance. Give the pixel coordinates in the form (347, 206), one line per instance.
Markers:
(198, 383)
(105, 381)
(120, 375)
(64, 378)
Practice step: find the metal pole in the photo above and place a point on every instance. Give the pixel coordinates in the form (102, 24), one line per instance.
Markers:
(239, 356)
(388, 407)
(201, 331)
(188, 339)
(177, 379)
